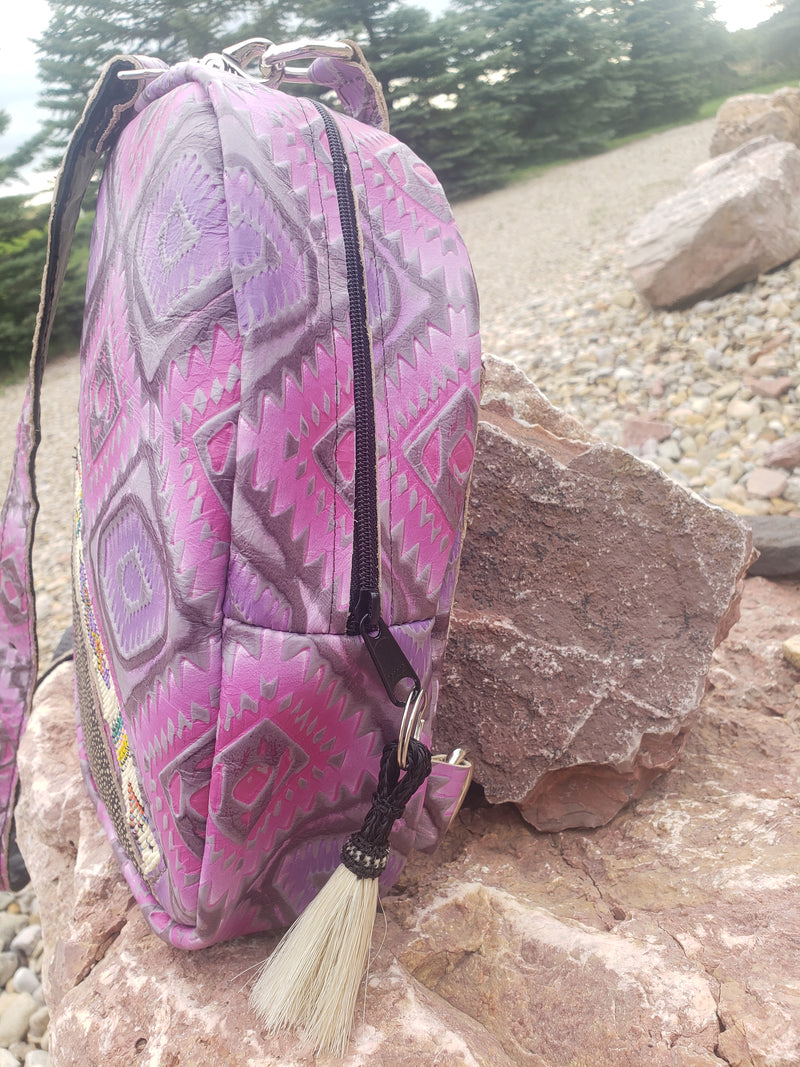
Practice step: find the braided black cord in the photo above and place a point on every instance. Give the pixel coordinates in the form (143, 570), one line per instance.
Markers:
(366, 852)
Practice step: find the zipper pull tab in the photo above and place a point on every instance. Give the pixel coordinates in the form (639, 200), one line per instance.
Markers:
(389, 659)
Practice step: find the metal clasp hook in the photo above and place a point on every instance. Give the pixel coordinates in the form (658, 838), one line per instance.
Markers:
(276, 56)
(272, 59)
(412, 724)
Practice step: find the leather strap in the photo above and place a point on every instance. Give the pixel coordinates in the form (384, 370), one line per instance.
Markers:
(108, 108)
(356, 86)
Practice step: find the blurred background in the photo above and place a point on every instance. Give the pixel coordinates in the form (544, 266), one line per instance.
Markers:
(482, 90)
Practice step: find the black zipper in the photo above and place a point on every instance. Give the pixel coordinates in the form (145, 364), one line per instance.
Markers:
(364, 615)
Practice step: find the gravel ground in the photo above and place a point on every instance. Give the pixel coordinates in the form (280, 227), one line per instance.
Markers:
(532, 240)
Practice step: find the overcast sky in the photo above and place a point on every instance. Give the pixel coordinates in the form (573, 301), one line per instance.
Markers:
(26, 19)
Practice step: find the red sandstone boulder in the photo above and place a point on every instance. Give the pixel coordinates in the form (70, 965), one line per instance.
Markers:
(667, 938)
(592, 593)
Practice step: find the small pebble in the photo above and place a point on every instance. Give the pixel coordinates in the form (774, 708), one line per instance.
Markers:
(15, 1012)
(27, 940)
(37, 1058)
(766, 483)
(697, 369)
(9, 962)
(791, 650)
(8, 1059)
(25, 981)
(10, 926)
(38, 1023)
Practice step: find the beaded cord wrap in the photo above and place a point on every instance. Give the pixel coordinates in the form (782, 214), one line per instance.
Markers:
(366, 852)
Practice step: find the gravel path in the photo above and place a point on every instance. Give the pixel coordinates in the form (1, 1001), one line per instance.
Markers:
(530, 239)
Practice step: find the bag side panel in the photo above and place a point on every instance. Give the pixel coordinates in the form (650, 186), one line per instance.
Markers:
(423, 308)
(303, 715)
(293, 499)
(160, 373)
(302, 725)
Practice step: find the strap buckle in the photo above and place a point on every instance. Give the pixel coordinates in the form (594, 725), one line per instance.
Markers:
(272, 59)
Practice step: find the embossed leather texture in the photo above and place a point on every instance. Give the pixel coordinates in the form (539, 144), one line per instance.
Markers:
(230, 729)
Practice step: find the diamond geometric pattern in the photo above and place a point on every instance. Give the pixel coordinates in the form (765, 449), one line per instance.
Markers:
(217, 442)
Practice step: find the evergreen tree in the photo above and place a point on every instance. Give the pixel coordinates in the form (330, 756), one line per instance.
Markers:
(83, 34)
(8, 165)
(552, 67)
(452, 119)
(675, 57)
(781, 38)
(449, 118)
(23, 245)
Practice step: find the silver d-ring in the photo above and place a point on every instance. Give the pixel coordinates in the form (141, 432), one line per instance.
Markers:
(411, 724)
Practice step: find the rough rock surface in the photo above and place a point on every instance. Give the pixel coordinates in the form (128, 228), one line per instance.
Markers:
(591, 595)
(738, 217)
(665, 938)
(743, 118)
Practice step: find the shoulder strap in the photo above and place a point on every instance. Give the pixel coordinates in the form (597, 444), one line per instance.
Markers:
(108, 108)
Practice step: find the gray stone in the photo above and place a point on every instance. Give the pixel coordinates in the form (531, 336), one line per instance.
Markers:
(777, 538)
(27, 940)
(25, 981)
(9, 962)
(10, 926)
(738, 217)
(38, 1023)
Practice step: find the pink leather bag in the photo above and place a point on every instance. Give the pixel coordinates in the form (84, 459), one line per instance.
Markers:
(280, 374)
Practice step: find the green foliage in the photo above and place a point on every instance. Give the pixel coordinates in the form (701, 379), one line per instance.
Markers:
(779, 39)
(23, 245)
(488, 87)
(83, 35)
(675, 55)
(453, 121)
(551, 65)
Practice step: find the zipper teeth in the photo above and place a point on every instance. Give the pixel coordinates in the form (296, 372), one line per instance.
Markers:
(366, 551)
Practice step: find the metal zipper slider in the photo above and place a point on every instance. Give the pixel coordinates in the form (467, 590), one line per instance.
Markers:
(390, 661)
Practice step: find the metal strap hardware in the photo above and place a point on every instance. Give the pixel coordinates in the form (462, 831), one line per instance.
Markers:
(412, 724)
(272, 59)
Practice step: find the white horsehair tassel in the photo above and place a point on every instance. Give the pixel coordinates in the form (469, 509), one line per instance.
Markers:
(311, 981)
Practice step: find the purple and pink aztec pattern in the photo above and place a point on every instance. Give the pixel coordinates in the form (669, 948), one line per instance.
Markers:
(18, 649)
(215, 508)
